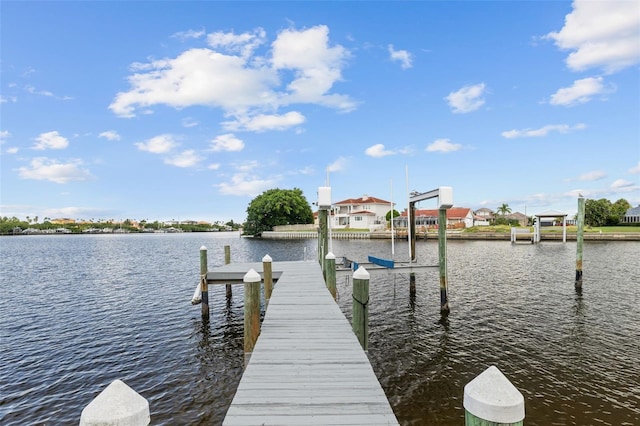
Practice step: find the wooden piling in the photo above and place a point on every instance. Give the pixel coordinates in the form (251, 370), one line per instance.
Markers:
(204, 288)
(360, 309)
(491, 400)
(330, 274)
(580, 241)
(442, 260)
(412, 231)
(251, 312)
(268, 278)
(227, 260)
(323, 237)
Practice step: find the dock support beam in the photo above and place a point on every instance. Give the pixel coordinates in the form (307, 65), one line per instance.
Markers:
(491, 400)
(330, 273)
(227, 260)
(251, 312)
(268, 278)
(204, 288)
(580, 241)
(360, 309)
(442, 260)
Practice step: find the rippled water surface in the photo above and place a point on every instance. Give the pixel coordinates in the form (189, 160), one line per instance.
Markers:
(80, 311)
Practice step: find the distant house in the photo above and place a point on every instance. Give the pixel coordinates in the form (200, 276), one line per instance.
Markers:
(363, 213)
(482, 216)
(632, 215)
(484, 213)
(457, 217)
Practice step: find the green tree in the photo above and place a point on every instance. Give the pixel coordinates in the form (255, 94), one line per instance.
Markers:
(277, 207)
(617, 211)
(504, 209)
(396, 213)
(596, 212)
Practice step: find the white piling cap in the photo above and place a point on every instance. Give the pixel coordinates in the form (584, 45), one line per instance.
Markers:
(267, 258)
(361, 274)
(203, 248)
(251, 277)
(492, 397)
(330, 256)
(117, 405)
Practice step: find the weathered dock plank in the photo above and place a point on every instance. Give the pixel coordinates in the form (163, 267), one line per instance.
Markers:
(307, 367)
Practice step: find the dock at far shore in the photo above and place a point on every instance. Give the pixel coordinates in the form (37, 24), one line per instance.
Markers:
(451, 235)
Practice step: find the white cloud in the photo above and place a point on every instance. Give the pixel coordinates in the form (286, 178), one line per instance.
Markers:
(591, 176)
(4, 100)
(34, 91)
(214, 166)
(443, 145)
(635, 169)
(42, 168)
(621, 184)
(111, 135)
(263, 122)
(12, 150)
(378, 151)
(243, 185)
(158, 144)
(188, 34)
(316, 66)
(543, 131)
(339, 164)
(602, 34)
(580, 92)
(249, 166)
(189, 122)
(467, 99)
(227, 142)
(402, 56)
(302, 68)
(4, 135)
(50, 140)
(244, 44)
(187, 158)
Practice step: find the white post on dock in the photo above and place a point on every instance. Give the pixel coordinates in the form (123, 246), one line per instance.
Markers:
(330, 268)
(491, 400)
(116, 405)
(268, 278)
(360, 309)
(251, 312)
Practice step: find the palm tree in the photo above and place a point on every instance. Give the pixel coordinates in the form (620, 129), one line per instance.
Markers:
(504, 209)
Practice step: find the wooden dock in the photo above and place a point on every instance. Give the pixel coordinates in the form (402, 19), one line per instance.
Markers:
(307, 367)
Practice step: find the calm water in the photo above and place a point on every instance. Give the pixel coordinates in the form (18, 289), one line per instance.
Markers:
(78, 312)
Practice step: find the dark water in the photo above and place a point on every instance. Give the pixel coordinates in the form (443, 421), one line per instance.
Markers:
(78, 312)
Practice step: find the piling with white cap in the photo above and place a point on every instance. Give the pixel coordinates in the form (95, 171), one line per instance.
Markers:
(330, 273)
(360, 309)
(268, 278)
(491, 399)
(116, 405)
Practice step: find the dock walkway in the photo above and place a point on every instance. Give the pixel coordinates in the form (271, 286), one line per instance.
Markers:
(308, 367)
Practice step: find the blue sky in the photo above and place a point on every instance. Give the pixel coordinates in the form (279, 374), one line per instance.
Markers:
(188, 110)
